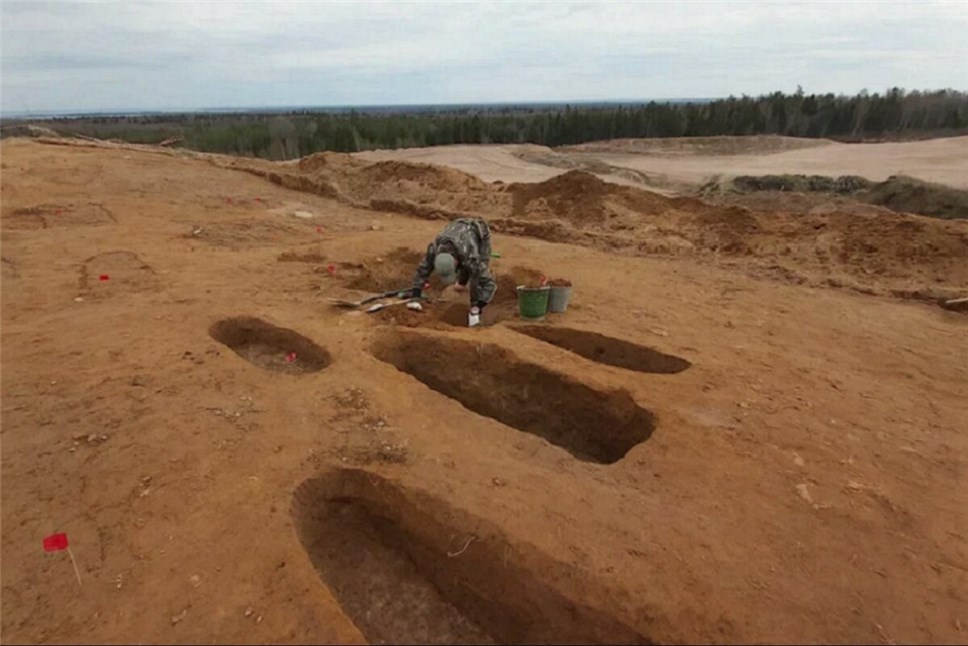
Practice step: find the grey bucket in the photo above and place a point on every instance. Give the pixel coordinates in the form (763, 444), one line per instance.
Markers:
(558, 299)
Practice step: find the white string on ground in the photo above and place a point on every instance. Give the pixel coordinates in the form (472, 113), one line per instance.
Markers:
(463, 549)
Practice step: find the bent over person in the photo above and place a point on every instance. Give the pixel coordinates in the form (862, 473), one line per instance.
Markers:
(461, 253)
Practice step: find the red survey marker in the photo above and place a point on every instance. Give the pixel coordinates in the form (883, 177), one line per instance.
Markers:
(55, 542)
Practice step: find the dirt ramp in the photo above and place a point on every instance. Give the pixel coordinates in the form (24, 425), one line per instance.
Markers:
(270, 347)
(592, 425)
(408, 568)
(607, 350)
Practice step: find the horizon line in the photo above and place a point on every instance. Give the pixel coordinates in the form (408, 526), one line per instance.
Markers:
(331, 107)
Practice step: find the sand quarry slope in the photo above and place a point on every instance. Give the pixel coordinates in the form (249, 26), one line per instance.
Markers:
(716, 443)
(678, 165)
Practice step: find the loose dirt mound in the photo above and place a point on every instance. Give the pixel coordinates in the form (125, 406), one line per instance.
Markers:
(910, 195)
(842, 184)
(417, 189)
(581, 198)
(395, 270)
(328, 161)
(798, 193)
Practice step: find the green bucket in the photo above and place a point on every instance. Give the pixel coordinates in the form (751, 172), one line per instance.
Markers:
(533, 301)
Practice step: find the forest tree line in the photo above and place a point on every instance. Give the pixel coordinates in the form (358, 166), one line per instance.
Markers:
(893, 114)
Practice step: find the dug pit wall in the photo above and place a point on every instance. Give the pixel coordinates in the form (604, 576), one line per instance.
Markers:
(407, 567)
(607, 350)
(270, 347)
(592, 425)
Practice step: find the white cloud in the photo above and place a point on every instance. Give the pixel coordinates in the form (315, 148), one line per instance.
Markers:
(132, 55)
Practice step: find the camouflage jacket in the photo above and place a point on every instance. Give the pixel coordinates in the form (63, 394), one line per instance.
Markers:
(470, 241)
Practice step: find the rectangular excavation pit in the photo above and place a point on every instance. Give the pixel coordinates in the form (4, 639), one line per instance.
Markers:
(592, 425)
(607, 350)
(270, 347)
(408, 568)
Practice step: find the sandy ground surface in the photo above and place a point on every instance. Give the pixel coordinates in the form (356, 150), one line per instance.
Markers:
(680, 164)
(236, 461)
(490, 163)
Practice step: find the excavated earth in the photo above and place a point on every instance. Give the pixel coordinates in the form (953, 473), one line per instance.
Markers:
(748, 426)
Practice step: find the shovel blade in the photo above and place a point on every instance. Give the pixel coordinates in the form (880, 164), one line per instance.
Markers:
(342, 303)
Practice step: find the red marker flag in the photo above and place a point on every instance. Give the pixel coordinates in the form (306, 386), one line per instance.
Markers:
(58, 543)
(290, 357)
(55, 542)
(103, 277)
(319, 229)
(331, 269)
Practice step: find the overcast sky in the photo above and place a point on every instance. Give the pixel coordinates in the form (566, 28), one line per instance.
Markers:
(181, 55)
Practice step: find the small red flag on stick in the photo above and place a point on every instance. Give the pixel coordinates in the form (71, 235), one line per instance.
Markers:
(57, 543)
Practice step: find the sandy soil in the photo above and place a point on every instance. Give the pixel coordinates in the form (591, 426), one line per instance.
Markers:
(235, 461)
(677, 165)
(490, 163)
(944, 161)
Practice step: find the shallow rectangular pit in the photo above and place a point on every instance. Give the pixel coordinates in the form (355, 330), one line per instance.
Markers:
(408, 568)
(270, 347)
(593, 425)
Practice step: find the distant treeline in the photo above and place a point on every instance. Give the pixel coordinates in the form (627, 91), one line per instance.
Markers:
(894, 114)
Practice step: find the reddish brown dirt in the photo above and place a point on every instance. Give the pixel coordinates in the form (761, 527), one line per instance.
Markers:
(829, 246)
(804, 479)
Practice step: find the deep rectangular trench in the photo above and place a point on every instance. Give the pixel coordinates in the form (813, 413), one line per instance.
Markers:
(607, 350)
(406, 567)
(593, 425)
